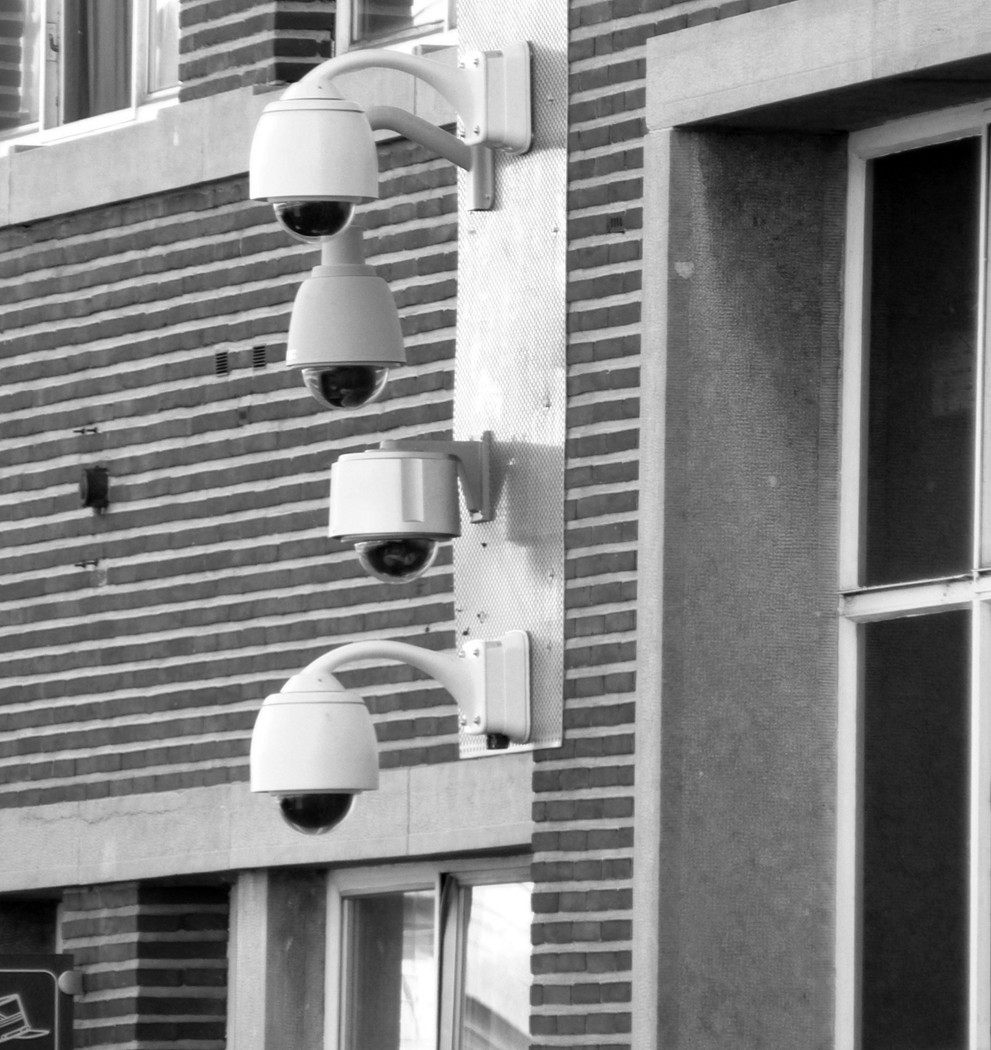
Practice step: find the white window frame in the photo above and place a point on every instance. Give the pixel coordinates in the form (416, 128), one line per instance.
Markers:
(144, 104)
(361, 882)
(860, 605)
(412, 41)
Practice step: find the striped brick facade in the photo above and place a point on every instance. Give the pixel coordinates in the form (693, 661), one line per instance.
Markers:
(224, 44)
(155, 965)
(139, 640)
(147, 337)
(583, 808)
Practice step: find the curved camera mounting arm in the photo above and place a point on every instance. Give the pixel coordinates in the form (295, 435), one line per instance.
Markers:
(490, 90)
(476, 160)
(488, 679)
(441, 142)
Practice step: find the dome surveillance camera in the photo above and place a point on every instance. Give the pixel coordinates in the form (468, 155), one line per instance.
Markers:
(312, 220)
(314, 748)
(313, 745)
(344, 333)
(397, 503)
(315, 814)
(345, 385)
(397, 559)
(395, 506)
(313, 157)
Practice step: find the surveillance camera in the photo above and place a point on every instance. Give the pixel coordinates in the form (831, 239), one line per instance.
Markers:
(313, 744)
(344, 332)
(398, 502)
(397, 559)
(315, 155)
(314, 748)
(345, 385)
(312, 220)
(317, 813)
(395, 506)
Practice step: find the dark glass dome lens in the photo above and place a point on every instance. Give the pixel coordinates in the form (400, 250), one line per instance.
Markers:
(345, 386)
(312, 220)
(315, 814)
(397, 560)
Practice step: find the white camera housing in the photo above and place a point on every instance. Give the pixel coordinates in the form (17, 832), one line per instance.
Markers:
(314, 748)
(308, 151)
(344, 333)
(396, 504)
(313, 745)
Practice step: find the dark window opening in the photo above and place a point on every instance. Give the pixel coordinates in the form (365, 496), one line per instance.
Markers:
(922, 364)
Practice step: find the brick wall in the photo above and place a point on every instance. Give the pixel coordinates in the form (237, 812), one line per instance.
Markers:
(583, 862)
(226, 44)
(155, 965)
(138, 643)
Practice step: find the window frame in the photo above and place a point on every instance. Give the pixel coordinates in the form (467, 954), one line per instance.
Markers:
(144, 102)
(345, 884)
(859, 604)
(408, 40)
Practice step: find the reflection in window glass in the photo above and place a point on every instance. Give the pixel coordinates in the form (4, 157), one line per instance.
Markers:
(96, 49)
(496, 1008)
(376, 18)
(915, 855)
(20, 76)
(923, 324)
(163, 44)
(391, 986)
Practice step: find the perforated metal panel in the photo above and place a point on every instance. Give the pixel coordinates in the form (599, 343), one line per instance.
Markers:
(510, 369)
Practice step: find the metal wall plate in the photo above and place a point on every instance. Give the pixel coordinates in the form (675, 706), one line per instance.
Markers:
(510, 370)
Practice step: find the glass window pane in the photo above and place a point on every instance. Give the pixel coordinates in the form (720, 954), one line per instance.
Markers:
(915, 823)
(375, 18)
(96, 50)
(20, 62)
(163, 44)
(922, 355)
(390, 998)
(496, 1009)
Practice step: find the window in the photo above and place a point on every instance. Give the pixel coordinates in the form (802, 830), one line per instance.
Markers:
(373, 23)
(914, 903)
(80, 61)
(425, 959)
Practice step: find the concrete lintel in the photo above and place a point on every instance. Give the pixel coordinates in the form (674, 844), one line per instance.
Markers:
(804, 48)
(472, 805)
(181, 146)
